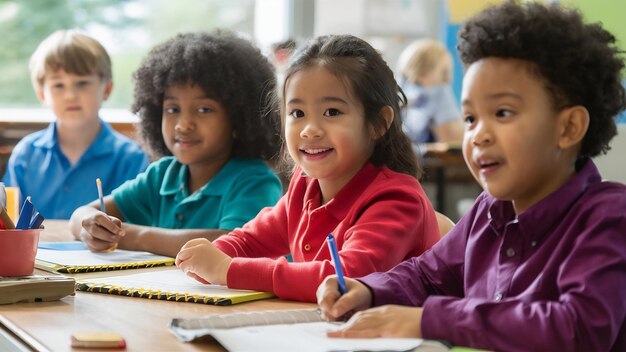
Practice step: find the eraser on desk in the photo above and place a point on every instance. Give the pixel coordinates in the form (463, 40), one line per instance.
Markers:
(98, 339)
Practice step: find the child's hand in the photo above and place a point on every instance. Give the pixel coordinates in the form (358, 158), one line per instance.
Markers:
(384, 321)
(101, 232)
(201, 260)
(334, 306)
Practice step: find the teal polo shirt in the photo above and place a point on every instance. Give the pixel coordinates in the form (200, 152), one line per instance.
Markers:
(160, 196)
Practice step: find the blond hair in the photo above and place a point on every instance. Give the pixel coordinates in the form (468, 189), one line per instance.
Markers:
(420, 58)
(71, 51)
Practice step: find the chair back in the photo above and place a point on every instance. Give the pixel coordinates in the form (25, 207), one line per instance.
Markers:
(444, 222)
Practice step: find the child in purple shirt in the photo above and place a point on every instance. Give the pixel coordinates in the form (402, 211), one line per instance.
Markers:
(539, 263)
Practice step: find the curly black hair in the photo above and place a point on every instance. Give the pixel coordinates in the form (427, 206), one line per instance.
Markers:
(230, 70)
(580, 62)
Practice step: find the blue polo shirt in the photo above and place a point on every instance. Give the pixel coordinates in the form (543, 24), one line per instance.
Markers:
(427, 107)
(40, 169)
(160, 197)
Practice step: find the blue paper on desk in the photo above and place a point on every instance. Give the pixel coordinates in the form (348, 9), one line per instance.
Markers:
(62, 246)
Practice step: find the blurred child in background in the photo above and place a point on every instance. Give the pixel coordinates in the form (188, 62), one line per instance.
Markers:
(58, 167)
(432, 113)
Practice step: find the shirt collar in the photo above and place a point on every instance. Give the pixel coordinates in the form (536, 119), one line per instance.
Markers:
(542, 216)
(49, 137)
(339, 206)
(102, 145)
(175, 179)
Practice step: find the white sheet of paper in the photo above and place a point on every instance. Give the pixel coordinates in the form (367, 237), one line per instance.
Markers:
(307, 337)
(87, 258)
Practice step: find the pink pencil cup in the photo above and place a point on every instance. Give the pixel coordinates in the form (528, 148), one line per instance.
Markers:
(18, 249)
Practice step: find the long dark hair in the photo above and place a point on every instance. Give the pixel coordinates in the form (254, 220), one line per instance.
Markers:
(363, 69)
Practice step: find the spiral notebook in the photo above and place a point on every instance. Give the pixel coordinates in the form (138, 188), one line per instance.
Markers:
(73, 258)
(169, 285)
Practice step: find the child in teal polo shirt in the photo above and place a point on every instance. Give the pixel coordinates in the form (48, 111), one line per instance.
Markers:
(71, 74)
(201, 101)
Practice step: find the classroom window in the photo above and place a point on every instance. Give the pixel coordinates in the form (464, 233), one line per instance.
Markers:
(126, 28)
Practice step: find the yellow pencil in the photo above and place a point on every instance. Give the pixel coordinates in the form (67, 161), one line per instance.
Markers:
(100, 195)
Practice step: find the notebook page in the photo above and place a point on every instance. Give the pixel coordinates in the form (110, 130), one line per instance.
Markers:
(88, 258)
(307, 337)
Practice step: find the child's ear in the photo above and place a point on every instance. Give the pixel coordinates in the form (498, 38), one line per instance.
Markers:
(107, 90)
(573, 125)
(41, 96)
(387, 114)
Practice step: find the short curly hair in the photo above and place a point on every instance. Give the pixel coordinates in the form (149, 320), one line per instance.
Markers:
(229, 69)
(580, 62)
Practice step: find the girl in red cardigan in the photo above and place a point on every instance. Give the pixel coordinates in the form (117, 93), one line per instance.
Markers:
(355, 177)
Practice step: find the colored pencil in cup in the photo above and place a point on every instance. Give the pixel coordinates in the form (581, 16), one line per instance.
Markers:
(25, 215)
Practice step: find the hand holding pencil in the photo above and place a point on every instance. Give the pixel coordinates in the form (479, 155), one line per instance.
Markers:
(101, 232)
(335, 306)
(337, 296)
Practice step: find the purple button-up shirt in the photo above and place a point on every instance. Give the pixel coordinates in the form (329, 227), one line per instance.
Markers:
(551, 279)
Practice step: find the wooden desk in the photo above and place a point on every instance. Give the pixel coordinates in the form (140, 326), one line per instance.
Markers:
(56, 231)
(142, 322)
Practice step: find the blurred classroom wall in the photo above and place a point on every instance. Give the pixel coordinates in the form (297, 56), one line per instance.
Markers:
(611, 15)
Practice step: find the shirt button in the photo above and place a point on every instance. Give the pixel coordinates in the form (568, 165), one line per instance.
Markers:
(533, 243)
(180, 217)
(307, 247)
(510, 252)
(66, 189)
(498, 296)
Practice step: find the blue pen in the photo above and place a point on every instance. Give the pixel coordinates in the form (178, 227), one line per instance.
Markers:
(25, 215)
(337, 262)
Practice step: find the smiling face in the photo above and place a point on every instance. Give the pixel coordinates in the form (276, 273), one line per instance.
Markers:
(74, 99)
(196, 128)
(325, 128)
(513, 140)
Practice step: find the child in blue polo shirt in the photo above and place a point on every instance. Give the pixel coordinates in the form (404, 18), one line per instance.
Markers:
(201, 101)
(71, 73)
